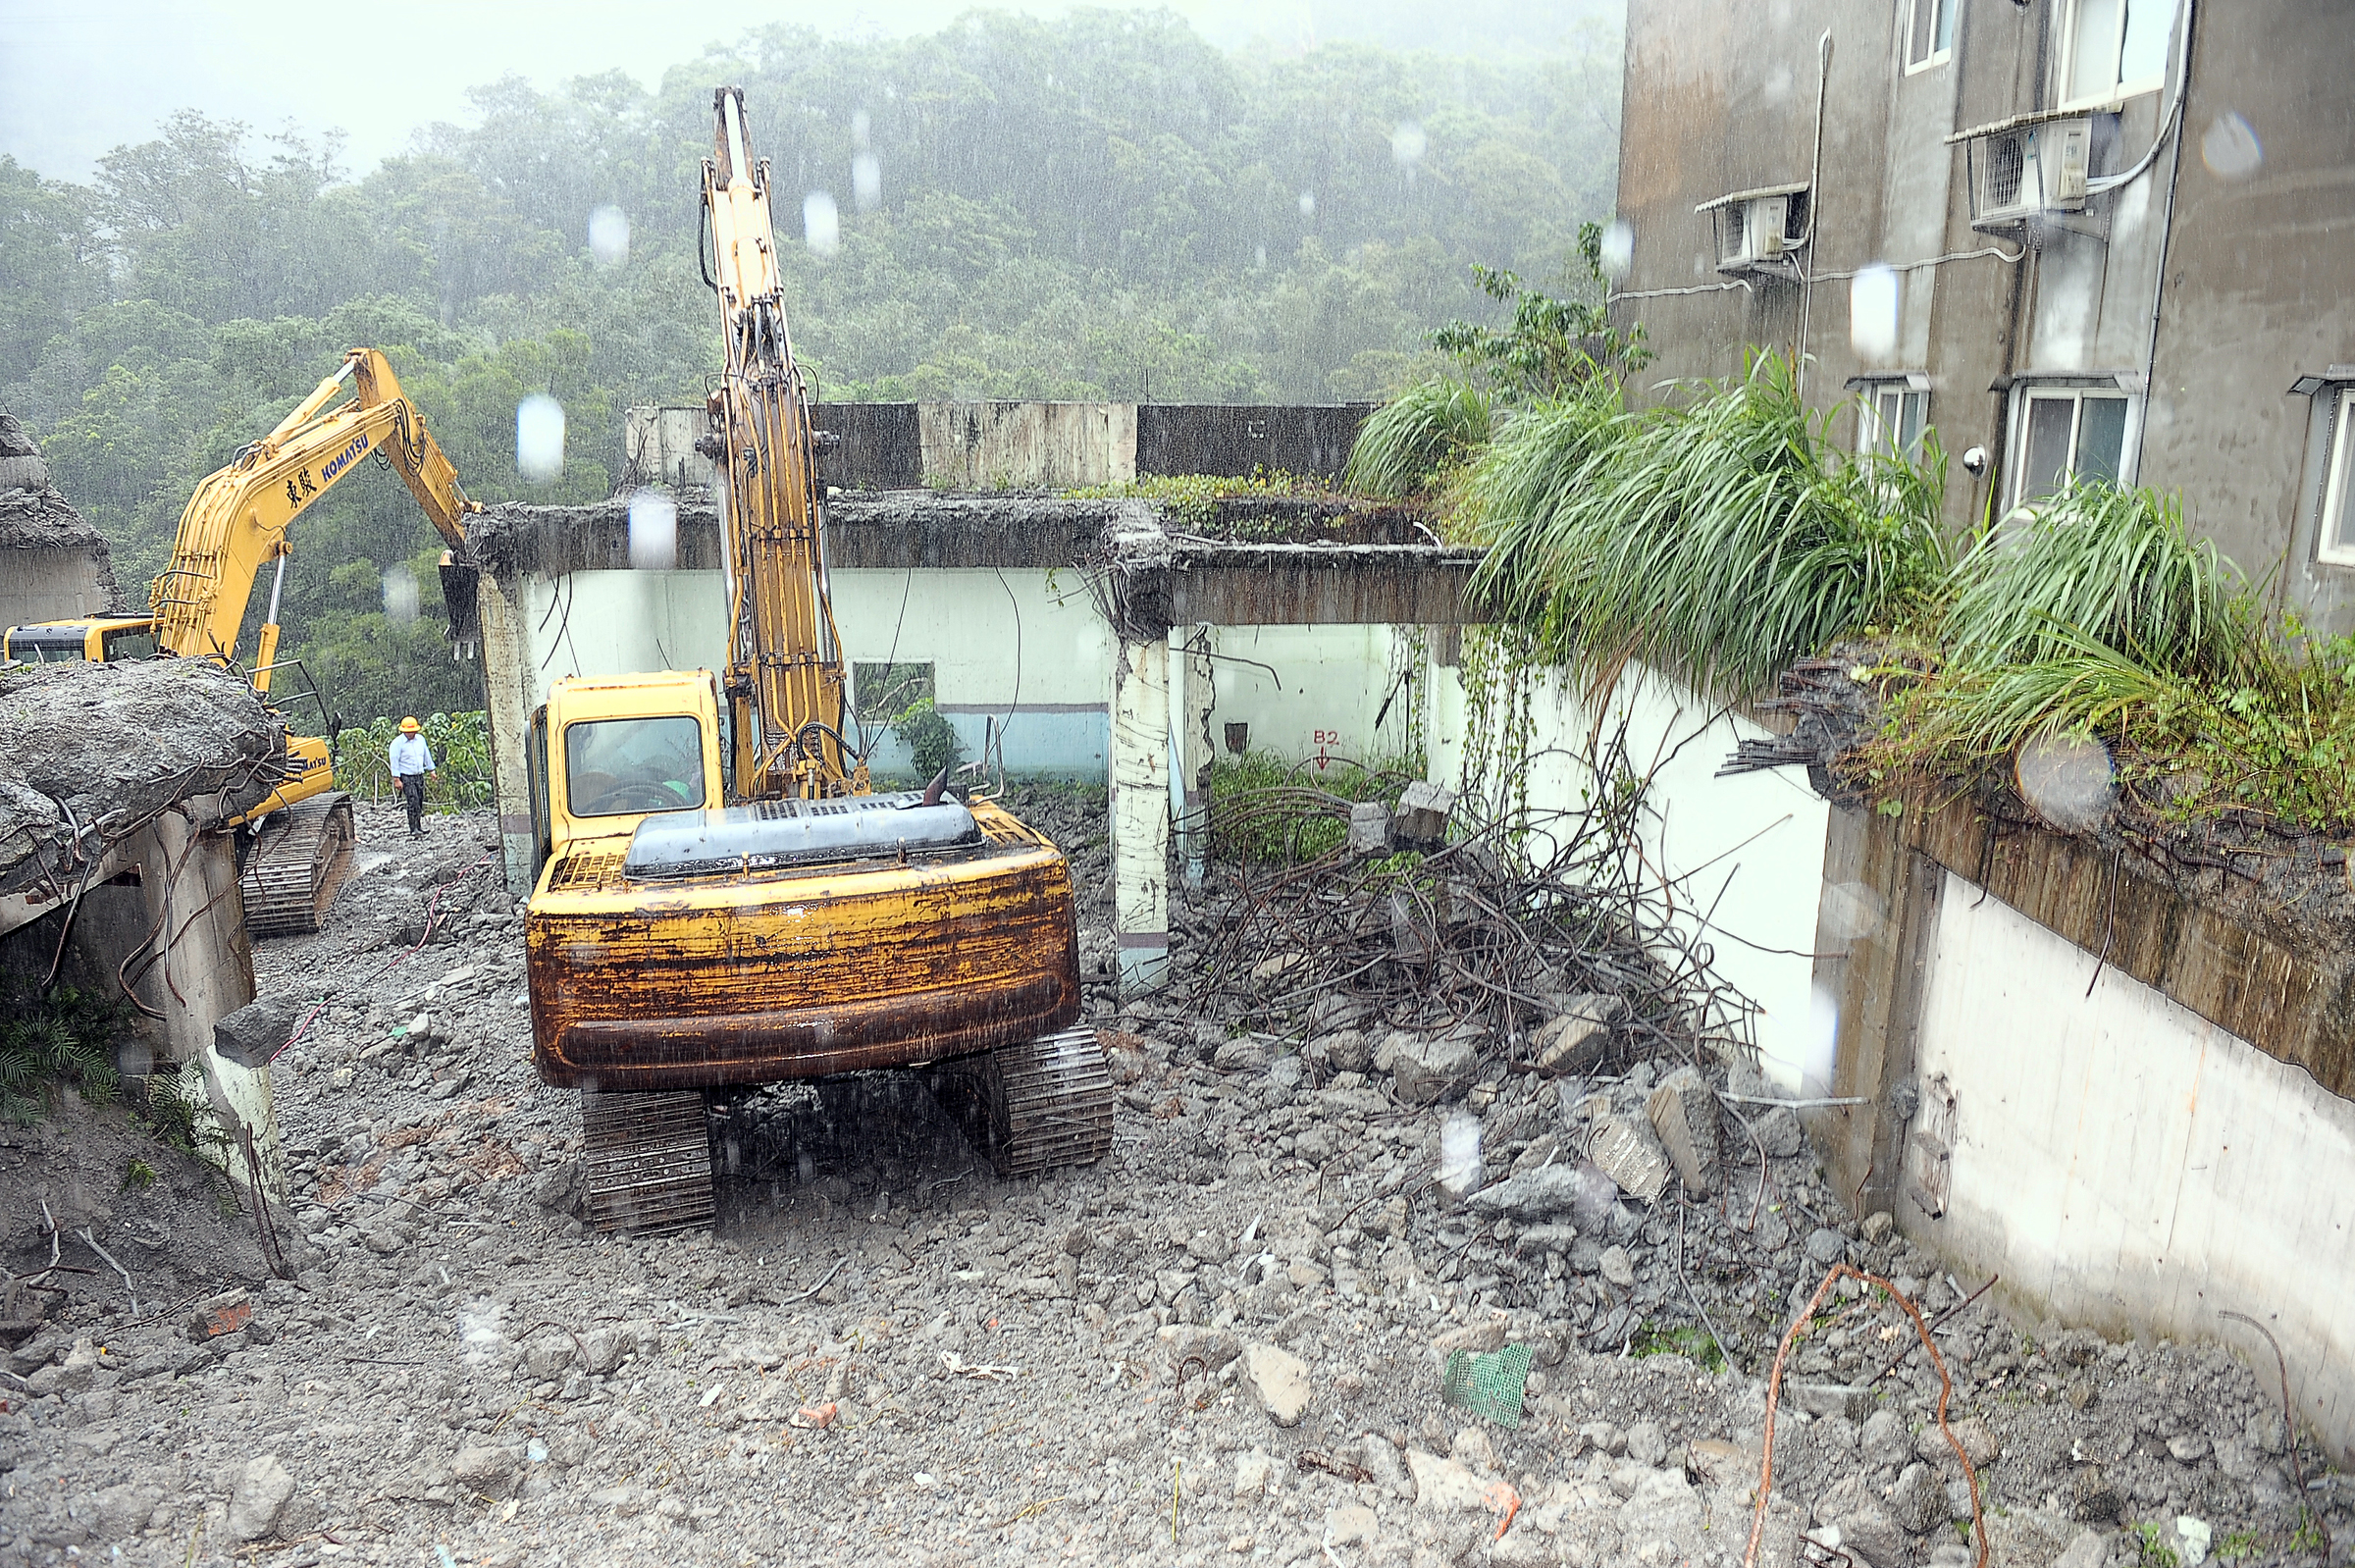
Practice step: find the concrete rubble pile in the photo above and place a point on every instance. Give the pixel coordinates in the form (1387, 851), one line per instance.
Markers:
(1228, 1342)
(90, 752)
(34, 513)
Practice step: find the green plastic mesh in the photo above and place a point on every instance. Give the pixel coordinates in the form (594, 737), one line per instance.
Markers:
(1489, 1384)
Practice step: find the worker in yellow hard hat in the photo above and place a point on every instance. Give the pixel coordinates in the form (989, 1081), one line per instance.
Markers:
(412, 765)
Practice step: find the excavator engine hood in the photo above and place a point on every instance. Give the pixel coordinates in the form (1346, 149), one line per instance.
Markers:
(774, 834)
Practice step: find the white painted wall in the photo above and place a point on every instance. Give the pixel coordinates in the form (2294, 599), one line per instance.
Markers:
(2131, 1164)
(1023, 643)
(1745, 855)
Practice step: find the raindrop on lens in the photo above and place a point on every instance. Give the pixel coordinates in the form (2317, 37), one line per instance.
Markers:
(2230, 147)
(608, 237)
(867, 181)
(1873, 313)
(1821, 1048)
(821, 223)
(654, 531)
(1308, 204)
(1618, 249)
(400, 595)
(1408, 143)
(539, 437)
(2066, 780)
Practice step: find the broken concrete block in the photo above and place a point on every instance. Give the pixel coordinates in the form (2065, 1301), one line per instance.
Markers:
(1241, 1055)
(1684, 1113)
(1279, 1380)
(1441, 1485)
(1422, 816)
(1628, 1151)
(1574, 1039)
(1851, 1400)
(1368, 828)
(255, 1032)
(261, 1495)
(1485, 1334)
(1426, 1071)
(1780, 1133)
(1533, 1195)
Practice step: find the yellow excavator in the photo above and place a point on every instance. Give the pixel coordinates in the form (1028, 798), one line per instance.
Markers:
(725, 902)
(235, 524)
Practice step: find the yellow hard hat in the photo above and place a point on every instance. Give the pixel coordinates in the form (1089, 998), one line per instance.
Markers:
(409, 726)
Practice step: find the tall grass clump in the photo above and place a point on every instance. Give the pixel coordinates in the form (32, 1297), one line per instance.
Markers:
(1408, 443)
(1716, 540)
(2099, 562)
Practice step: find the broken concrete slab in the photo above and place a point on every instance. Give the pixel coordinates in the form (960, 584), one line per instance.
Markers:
(1423, 1069)
(1573, 1040)
(1684, 1111)
(1627, 1149)
(252, 1034)
(88, 752)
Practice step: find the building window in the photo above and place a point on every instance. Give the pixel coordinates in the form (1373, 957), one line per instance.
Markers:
(1930, 35)
(1891, 419)
(2338, 535)
(2113, 49)
(2068, 434)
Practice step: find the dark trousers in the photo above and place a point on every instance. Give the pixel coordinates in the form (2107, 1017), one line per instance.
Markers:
(412, 795)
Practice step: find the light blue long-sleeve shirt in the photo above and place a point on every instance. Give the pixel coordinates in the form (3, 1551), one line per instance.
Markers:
(410, 754)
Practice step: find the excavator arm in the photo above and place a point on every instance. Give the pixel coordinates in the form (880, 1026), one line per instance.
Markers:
(236, 522)
(784, 677)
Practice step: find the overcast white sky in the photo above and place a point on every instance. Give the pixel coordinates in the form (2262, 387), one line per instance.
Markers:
(78, 77)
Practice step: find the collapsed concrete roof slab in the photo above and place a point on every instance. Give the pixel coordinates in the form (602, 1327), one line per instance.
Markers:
(1258, 560)
(89, 752)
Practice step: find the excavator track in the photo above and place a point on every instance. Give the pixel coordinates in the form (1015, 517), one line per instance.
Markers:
(647, 1161)
(300, 857)
(1033, 1106)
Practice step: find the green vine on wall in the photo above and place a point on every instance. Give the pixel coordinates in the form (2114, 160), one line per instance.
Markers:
(1500, 716)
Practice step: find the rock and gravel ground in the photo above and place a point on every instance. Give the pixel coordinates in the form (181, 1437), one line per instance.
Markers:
(1225, 1343)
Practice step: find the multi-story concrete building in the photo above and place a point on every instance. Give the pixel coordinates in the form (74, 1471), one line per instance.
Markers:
(2074, 237)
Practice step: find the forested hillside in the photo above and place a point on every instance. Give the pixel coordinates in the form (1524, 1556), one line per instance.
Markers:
(1099, 206)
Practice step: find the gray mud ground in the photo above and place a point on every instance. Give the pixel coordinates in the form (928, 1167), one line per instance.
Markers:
(886, 1354)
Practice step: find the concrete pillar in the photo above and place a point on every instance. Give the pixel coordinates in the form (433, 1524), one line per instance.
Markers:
(1141, 813)
(507, 687)
(1871, 981)
(1192, 702)
(203, 965)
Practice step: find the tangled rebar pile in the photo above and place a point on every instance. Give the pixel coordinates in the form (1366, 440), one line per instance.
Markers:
(1511, 917)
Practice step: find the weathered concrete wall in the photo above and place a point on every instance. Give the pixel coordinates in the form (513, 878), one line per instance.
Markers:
(2121, 1161)
(999, 446)
(1742, 856)
(986, 445)
(2135, 1106)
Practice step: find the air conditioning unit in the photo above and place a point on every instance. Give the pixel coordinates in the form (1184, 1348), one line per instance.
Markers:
(1757, 228)
(2025, 171)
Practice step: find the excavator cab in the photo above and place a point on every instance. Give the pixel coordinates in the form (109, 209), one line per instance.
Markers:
(105, 639)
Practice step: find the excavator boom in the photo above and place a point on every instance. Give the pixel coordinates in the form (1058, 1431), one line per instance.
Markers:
(237, 521)
(784, 667)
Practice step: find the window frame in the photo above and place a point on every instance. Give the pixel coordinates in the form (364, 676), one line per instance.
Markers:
(2338, 480)
(1937, 54)
(565, 743)
(2077, 393)
(2119, 90)
(1872, 429)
